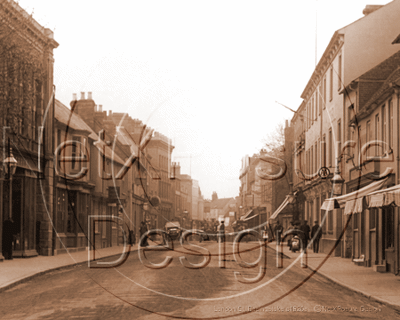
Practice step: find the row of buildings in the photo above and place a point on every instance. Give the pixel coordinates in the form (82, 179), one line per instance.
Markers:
(342, 147)
(61, 165)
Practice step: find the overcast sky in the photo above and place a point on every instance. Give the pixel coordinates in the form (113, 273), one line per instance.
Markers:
(204, 73)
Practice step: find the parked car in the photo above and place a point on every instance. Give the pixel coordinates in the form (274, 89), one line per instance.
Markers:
(173, 229)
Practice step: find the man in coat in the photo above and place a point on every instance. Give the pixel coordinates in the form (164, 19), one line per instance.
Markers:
(278, 232)
(316, 231)
(221, 231)
(305, 228)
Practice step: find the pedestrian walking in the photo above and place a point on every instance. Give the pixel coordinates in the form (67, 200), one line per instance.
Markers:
(290, 236)
(8, 238)
(278, 232)
(305, 228)
(265, 234)
(221, 231)
(316, 233)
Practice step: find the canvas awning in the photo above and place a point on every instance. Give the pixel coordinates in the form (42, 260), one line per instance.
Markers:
(255, 214)
(243, 218)
(354, 206)
(329, 204)
(385, 197)
(281, 207)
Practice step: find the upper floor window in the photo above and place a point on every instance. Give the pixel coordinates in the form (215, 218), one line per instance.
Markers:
(339, 138)
(391, 123)
(377, 129)
(340, 72)
(384, 124)
(368, 135)
(324, 91)
(330, 148)
(331, 84)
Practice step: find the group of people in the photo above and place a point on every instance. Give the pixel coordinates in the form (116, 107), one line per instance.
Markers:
(303, 234)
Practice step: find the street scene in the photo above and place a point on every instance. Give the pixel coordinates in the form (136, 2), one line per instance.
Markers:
(133, 291)
(156, 165)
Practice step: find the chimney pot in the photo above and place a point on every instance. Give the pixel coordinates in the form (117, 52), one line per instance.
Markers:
(109, 112)
(89, 96)
(74, 98)
(82, 96)
(95, 108)
(100, 108)
(369, 8)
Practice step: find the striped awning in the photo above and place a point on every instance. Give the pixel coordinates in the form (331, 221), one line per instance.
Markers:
(342, 200)
(376, 200)
(354, 206)
(281, 207)
(330, 204)
(385, 197)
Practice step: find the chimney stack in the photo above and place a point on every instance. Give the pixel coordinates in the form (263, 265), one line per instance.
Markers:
(369, 8)
(82, 96)
(100, 108)
(89, 96)
(74, 98)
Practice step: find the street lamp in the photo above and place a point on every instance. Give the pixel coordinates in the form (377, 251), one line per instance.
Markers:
(10, 165)
(337, 180)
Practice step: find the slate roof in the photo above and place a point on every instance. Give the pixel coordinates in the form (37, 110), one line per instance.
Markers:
(375, 82)
(64, 115)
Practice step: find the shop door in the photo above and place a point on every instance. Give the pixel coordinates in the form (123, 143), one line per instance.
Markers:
(388, 236)
(71, 219)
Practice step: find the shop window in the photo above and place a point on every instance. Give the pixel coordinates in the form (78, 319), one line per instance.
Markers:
(355, 221)
(372, 218)
(75, 165)
(330, 221)
(61, 209)
(71, 219)
(389, 226)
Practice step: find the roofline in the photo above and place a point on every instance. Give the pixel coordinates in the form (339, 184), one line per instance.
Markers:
(325, 61)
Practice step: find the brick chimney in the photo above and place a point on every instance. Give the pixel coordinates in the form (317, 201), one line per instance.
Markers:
(369, 8)
(85, 108)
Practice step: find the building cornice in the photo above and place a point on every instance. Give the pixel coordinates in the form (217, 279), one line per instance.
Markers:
(324, 63)
(36, 34)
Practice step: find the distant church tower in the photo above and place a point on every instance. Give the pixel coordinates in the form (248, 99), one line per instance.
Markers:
(214, 196)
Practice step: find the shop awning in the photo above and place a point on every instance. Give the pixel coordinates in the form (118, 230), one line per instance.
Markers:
(329, 204)
(281, 207)
(385, 197)
(250, 215)
(354, 206)
(246, 215)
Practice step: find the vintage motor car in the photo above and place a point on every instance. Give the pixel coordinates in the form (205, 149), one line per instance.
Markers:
(173, 229)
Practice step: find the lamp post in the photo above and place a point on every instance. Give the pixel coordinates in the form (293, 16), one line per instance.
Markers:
(10, 165)
(337, 180)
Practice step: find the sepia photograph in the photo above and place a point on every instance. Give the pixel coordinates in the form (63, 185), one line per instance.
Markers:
(199, 159)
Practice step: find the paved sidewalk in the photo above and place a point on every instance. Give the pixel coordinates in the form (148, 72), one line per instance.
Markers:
(383, 287)
(18, 270)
